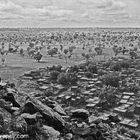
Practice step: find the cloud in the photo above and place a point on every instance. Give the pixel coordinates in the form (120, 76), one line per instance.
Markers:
(75, 12)
(103, 4)
(15, 9)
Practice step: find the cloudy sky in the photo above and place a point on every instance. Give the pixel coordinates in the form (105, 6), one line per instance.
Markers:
(69, 13)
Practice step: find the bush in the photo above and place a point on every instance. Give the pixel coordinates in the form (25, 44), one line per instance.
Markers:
(88, 74)
(92, 68)
(62, 79)
(115, 67)
(48, 93)
(31, 45)
(133, 134)
(111, 80)
(125, 64)
(133, 88)
(54, 75)
(83, 66)
(67, 79)
(66, 51)
(83, 54)
(122, 130)
(55, 68)
(71, 49)
(87, 56)
(101, 72)
(106, 64)
(38, 57)
(53, 51)
(74, 68)
(58, 68)
(72, 77)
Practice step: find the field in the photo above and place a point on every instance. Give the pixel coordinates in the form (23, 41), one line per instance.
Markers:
(16, 65)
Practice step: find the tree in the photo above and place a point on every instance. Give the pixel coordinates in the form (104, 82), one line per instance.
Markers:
(31, 45)
(53, 75)
(92, 68)
(87, 56)
(21, 52)
(133, 54)
(52, 52)
(38, 57)
(116, 67)
(62, 79)
(116, 51)
(83, 54)
(67, 79)
(66, 51)
(111, 80)
(98, 50)
(61, 48)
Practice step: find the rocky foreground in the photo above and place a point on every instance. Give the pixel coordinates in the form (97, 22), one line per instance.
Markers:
(89, 101)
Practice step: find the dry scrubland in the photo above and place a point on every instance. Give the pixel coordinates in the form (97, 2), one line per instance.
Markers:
(15, 65)
(87, 101)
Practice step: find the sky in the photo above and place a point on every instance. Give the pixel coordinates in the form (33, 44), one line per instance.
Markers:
(69, 13)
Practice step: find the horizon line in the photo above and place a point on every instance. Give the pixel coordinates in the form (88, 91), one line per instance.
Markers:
(67, 27)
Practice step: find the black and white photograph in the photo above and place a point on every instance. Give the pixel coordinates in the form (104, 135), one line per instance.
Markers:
(69, 69)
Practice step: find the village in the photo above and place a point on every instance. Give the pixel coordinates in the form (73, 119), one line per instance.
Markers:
(89, 100)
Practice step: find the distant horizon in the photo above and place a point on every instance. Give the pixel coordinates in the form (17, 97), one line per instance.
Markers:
(69, 27)
(69, 13)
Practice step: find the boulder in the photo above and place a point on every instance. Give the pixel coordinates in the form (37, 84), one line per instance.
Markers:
(10, 97)
(18, 124)
(31, 119)
(6, 105)
(80, 113)
(51, 117)
(49, 132)
(1, 124)
(59, 109)
(68, 136)
(82, 131)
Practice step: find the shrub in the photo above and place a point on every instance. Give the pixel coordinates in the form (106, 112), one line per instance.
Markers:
(133, 88)
(54, 75)
(88, 74)
(48, 93)
(101, 72)
(92, 68)
(67, 79)
(83, 66)
(74, 68)
(133, 134)
(55, 68)
(66, 51)
(107, 64)
(125, 64)
(53, 51)
(87, 56)
(115, 67)
(111, 80)
(31, 45)
(133, 54)
(83, 54)
(72, 77)
(38, 57)
(62, 79)
(71, 49)
(122, 130)
(58, 68)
